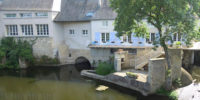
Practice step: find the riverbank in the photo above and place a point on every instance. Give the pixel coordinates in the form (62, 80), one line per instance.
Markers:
(121, 79)
(60, 83)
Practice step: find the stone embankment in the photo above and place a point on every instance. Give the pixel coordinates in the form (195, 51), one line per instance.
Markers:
(121, 79)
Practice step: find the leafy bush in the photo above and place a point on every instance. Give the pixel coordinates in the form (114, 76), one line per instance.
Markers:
(13, 50)
(104, 68)
(177, 44)
(177, 83)
(171, 94)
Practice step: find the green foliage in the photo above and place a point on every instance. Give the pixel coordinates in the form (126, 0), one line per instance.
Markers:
(104, 68)
(13, 50)
(177, 82)
(171, 94)
(168, 16)
(169, 71)
(2, 54)
(46, 60)
(178, 43)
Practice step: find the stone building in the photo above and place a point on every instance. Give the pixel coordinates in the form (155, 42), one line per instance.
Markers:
(71, 29)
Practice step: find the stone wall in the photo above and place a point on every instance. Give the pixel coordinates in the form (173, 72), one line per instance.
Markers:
(101, 54)
(73, 54)
(176, 62)
(140, 53)
(156, 74)
(188, 56)
(45, 46)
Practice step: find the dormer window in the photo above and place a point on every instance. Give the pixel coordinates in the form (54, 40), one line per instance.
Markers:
(90, 14)
(10, 15)
(41, 14)
(105, 23)
(26, 15)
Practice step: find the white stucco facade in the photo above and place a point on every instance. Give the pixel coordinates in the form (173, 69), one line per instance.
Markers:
(97, 26)
(78, 40)
(67, 40)
(48, 45)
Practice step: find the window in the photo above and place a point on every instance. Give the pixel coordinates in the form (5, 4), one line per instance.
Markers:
(112, 51)
(105, 23)
(177, 37)
(71, 32)
(10, 15)
(11, 30)
(42, 29)
(129, 39)
(105, 37)
(152, 37)
(26, 15)
(131, 51)
(27, 30)
(124, 38)
(41, 14)
(85, 32)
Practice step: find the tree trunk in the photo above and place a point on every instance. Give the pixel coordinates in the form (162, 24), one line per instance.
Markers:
(168, 77)
(165, 47)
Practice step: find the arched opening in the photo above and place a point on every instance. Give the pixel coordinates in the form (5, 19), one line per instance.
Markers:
(82, 63)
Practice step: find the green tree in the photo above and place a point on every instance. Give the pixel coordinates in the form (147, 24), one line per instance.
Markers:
(167, 16)
(12, 50)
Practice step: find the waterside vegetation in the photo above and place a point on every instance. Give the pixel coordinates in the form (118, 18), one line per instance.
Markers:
(104, 68)
(13, 50)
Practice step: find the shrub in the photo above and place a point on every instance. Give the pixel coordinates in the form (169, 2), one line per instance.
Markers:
(177, 83)
(104, 68)
(171, 94)
(13, 50)
(178, 44)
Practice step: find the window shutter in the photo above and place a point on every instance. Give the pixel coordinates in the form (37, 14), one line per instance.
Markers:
(98, 37)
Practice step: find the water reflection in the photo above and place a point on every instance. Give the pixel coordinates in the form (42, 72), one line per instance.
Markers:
(64, 83)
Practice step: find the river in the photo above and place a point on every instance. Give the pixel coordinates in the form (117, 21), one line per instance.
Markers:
(63, 83)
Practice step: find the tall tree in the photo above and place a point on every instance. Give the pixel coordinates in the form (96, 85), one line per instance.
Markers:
(167, 16)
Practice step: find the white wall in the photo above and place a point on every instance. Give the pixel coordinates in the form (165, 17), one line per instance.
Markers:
(46, 45)
(97, 26)
(78, 40)
(1, 27)
(19, 21)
